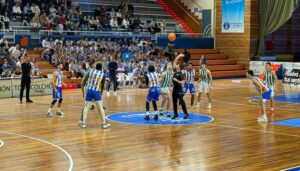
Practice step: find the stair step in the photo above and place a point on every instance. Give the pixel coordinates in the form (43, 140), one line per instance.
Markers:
(238, 73)
(209, 56)
(225, 67)
(196, 62)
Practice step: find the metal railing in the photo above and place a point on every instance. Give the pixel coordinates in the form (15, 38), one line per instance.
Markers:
(187, 12)
(11, 34)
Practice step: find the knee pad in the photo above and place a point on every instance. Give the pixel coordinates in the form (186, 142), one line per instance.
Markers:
(60, 100)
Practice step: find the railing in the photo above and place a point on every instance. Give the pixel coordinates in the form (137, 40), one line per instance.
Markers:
(187, 12)
(183, 35)
(11, 34)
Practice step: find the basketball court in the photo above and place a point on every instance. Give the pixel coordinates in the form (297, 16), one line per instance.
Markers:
(230, 139)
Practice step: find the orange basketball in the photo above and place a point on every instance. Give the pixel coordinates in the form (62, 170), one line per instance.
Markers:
(172, 36)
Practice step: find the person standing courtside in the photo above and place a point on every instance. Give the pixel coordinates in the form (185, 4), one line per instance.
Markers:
(112, 68)
(177, 94)
(270, 79)
(26, 76)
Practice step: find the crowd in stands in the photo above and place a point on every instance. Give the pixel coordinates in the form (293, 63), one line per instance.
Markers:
(75, 54)
(66, 15)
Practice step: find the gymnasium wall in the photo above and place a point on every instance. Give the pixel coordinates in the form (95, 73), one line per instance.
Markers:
(236, 45)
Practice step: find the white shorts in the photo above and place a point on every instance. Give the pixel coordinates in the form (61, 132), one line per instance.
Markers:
(164, 90)
(204, 87)
(273, 92)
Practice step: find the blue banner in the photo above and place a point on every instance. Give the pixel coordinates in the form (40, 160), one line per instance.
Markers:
(233, 16)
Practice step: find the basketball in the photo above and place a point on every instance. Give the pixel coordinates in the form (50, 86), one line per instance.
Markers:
(172, 36)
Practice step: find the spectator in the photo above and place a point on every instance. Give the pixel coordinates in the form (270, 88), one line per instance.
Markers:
(4, 21)
(6, 68)
(97, 12)
(17, 11)
(62, 21)
(52, 10)
(35, 22)
(44, 8)
(35, 9)
(15, 52)
(27, 12)
(202, 60)
(46, 43)
(125, 23)
(72, 69)
(114, 23)
(44, 19)
(4, 41)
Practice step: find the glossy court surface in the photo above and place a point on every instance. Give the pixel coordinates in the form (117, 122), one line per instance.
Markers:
(232, 141)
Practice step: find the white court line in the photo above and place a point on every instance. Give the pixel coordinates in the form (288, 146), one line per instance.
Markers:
(291, 168)
(1, 143)
(47, 142)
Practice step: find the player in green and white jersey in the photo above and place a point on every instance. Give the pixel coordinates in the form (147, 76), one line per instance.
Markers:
(270, 79)
(165, 82)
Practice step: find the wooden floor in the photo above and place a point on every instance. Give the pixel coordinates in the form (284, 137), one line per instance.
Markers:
(233, 141)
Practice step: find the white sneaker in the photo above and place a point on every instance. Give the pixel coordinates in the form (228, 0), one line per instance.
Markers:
(49, 114)
(82, 125)
(105, 125)
(60, 113)
(262, 119)
(196, 106)
(208, 106)
(108, 94)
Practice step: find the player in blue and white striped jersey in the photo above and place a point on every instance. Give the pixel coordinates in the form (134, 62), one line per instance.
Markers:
(189, 76)
(153, 93)
(57, 90)
(94, 80)
(264, 93)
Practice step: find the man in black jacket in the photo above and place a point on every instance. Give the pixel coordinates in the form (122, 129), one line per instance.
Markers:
(26, 76)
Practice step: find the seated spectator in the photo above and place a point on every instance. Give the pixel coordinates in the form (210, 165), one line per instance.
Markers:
(44, 8)
(72, 69)
(17, 11)
(27, 12)
(35, 9)
(112, 13)
(125, 23)
(35, 21)
(97, 12)
(62, 21)
(7, 68)
(52, 10)
(114, 23)
(46, 43)
(4, 41)
(15, 52)
(4, 21)
(44, 19)
(94, 23)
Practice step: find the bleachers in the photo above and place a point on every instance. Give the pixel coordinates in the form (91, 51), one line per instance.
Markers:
(218, 63)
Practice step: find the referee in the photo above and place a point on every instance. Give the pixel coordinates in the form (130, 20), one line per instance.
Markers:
(177, 94)
(26, 76)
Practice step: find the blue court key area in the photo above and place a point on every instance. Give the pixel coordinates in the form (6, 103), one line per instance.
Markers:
(289, 122)
(293, 169)
(137, 118)
(288, 98)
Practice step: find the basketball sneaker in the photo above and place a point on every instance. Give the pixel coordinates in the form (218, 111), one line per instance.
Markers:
(82, 125)
(49, 114)
(208, 106)
(147, 117)
(186, 116)
(262, 119)
(60, 113)
(156, 117)
(105, 125)
(108, 94)
(168, 115)
(175, 117)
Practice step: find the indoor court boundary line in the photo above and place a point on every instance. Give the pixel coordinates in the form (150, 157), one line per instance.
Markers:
(1, 143)
(71, 164)
(290, 168)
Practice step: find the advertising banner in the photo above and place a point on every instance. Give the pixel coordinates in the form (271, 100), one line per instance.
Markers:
(41, 86)
(258, 67)
(291, 73)
(233, 16)
(5, 88)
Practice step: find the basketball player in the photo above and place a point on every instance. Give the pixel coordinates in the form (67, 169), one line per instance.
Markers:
(205, 84)
(264, 94)
(94, 79)
(270, 78)
(177, 94)
(57, 90)
(165, 81)
(153, 93)
(189, 82)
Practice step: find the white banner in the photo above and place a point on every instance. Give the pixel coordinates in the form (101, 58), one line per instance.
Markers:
(5, 88)
(291, 73)
(40, 86)
(258, 67)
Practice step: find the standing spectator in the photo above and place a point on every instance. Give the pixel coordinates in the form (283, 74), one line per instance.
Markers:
(125, 23)
(35, 21)
(72, 69)
(62, 21)
(26, 76)
(113, 67)
(114, 23)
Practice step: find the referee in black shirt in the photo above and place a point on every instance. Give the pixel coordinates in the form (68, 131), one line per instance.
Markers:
(177, 94)
(26, 76)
